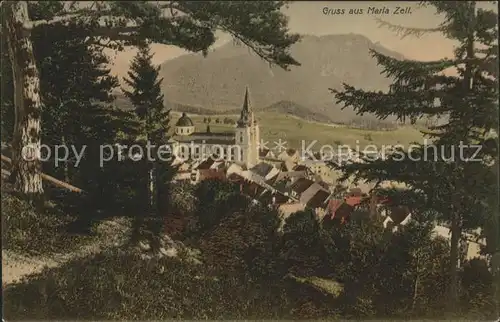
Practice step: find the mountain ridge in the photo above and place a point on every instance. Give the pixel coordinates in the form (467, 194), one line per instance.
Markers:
(218, 81)
(284, 107)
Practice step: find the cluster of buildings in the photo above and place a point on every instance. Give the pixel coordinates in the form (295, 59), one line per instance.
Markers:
(284, 180)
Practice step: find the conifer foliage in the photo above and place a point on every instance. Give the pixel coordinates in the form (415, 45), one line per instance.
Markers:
(146, 96)
(451, 179)
(150, 128)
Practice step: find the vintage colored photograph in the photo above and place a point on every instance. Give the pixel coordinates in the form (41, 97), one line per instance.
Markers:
(250, 160)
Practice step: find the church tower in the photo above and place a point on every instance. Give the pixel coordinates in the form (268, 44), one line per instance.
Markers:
(247, 134)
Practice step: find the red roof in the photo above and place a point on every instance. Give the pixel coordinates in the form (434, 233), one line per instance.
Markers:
(212, 174)
(338, 208)
(333, 205)
(353, 200)
(234, 177)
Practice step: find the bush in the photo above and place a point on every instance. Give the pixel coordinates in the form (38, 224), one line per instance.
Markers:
(181, 199)
(30, 232)
(303, 250)
(478, 299)
(215, 199)
(115, 285)
(245, 243)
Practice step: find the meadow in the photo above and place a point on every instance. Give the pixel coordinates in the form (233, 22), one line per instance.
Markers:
(296, 131)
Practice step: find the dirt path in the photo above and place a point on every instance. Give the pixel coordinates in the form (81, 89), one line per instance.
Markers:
(16, 266)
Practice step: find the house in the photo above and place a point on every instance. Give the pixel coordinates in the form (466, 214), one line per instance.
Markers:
(266, 153)
(274, 198)
(208, 169)
(252, 189)
(235, 177)
(234, 168)
(290, 176)
(309, 193)
(470, 246)
(319, 202)
(262, 193)
(282, 184)
(316, 200)
(289, 154)
(265, 170)
(299, 186)
(321, 168)
(342, 209)
(287, 165)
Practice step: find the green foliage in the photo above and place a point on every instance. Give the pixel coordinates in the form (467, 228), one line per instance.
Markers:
(33, 233)
(478, 296)
(303, 247)
(182, 199)
(355, 251)
(417, 264)
(245, 243)
(383, 274)
(188, 24)
(216, 199)
(76, 94)
(444, 180)
(353, 270)
(259, 25)
(146, 96)
(133, 288)
(148, 124)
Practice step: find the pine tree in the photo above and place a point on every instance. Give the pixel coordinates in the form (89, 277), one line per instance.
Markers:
(456, 189)
(152, 127)
(78, 103)
(188, 24)
(76, 94)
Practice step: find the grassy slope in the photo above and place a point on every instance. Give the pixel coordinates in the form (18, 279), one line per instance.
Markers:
(274, 126)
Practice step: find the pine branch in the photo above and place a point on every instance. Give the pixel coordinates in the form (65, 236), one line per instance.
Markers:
(187, 24)
(404, 32)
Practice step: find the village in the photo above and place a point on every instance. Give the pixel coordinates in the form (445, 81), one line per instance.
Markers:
(262, 160)
(287, 180)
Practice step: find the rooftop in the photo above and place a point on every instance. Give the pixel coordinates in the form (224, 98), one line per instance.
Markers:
(184, 120)
(301, 185)
(262, 169)
(300, 167)
(210, 138)
(319, 200)
(206, 164)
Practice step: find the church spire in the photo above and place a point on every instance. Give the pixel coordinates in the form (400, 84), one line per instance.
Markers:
(246, 118)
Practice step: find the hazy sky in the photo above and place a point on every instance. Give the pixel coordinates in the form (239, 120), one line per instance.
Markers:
(307, 17)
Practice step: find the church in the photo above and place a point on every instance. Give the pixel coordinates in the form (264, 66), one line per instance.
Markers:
(240, 146)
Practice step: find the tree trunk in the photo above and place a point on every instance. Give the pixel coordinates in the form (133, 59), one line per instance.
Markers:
(454, 259)
(415, 293)
(66, 166)
(26, 170)
(456, 216)
(416, 286)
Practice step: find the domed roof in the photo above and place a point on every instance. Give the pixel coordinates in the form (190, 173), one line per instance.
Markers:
(184, 121)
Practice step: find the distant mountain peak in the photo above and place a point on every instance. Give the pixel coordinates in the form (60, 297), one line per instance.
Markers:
(218, 81)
